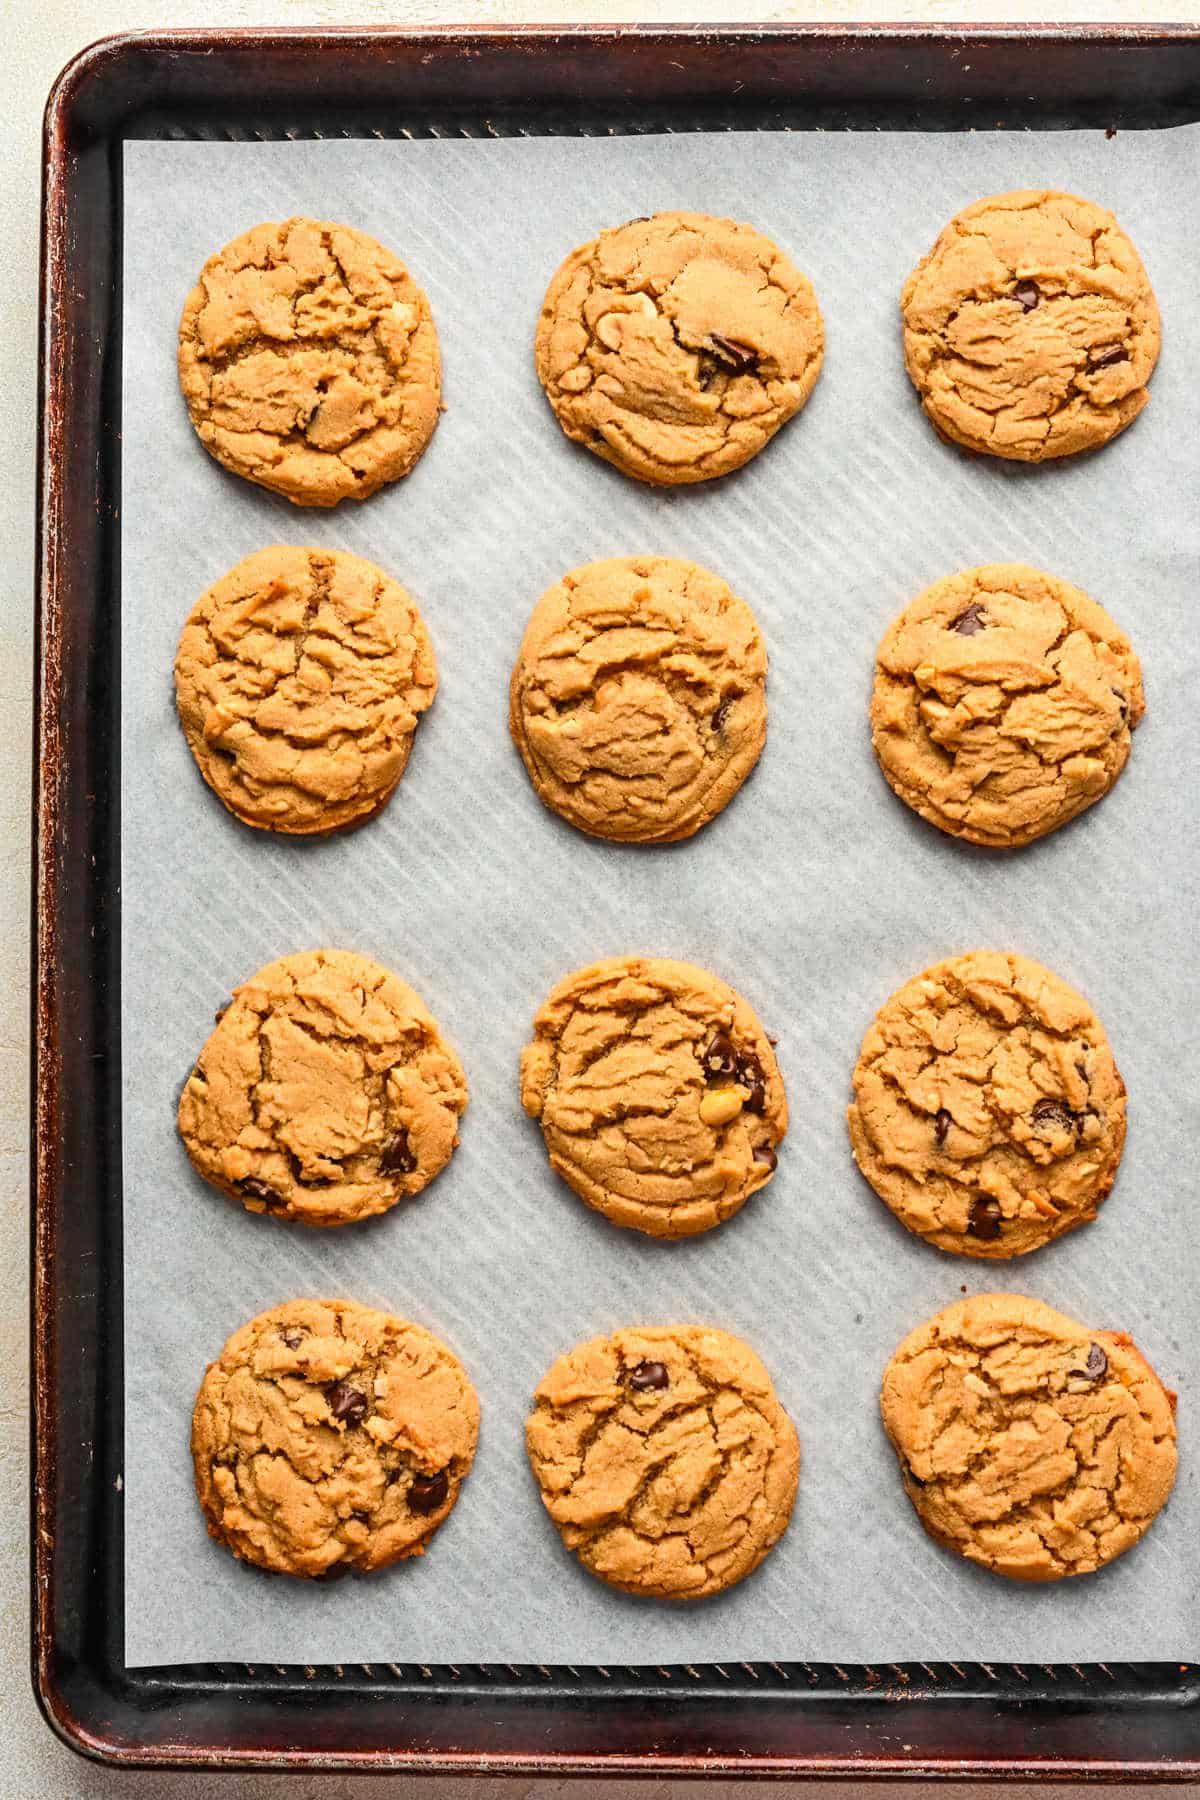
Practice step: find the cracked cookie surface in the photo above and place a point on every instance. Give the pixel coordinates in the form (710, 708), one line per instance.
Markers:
(1027, 1442)
(658, 1093)
(1031, 329)
(988, 1112)
(1004, 704)
(664, 1458)
(676, 346)
(300, 679)
(309, 361)
(329, 1437)
(325, 1094)
(637, 701)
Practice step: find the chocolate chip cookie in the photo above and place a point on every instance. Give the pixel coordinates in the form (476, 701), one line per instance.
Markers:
(637, 699)
(1031, 329)
(328, 1437)
(658, 1093)
(300, 679)
(309, 361)
(326, 1093)
(676, 346)
(664, 1458)
(1005, 702)
(1029, 1443)
(988, 1112)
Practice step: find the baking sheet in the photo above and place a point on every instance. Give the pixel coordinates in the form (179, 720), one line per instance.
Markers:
(816, 893)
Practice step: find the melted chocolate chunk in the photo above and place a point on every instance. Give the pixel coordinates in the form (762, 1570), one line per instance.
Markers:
(985, 1219)
(941, 1125)
(719, 1057)
(1096, 1367)
(1100, 359)
(258, 1190)
(1055, 1112)
(750, 1076)
(971, 622)
(722, 713)
(427, 1492)
(765, 1153)
(346, 1403)
(648, 1376)
(396, 1158)
(1028, 293)
(739, 356)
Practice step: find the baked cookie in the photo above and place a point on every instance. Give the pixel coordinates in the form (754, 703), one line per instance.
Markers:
(664, 1458)
(658, 1093)
(328, 1437)
(637, 699)
(1004, 704)
(675, 347)
(988, 1111)
(1031, 328)
(1027, 1442)
(325, 1094)
(309, 361)
(300, 679)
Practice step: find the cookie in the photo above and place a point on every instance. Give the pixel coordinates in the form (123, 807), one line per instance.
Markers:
(664, 1458)
(675, 347)
(309, 361)
(637, 699)
(326, 1093)
(1027, 1442)
(328, 1437)
(658, 1093)
(300, 678)
(1004, 704)
(1031, 329)
(988, 1112)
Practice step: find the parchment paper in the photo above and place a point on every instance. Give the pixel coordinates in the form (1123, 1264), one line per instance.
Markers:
(816, 893)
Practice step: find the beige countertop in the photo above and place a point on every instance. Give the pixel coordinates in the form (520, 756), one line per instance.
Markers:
(39, 39)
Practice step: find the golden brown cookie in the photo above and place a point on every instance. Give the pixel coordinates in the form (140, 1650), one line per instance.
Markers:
(300, 679)
(658, 1093)
(664, 1458)
(329, 1437)
(309, 361)
(637, 698)
(988, 1111)
(1004, 704)
(1027, 1442)
(675, 347)
(325, 1094)
(1031, 329)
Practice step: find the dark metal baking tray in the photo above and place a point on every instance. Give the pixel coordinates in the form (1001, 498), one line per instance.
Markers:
(1103, 1721)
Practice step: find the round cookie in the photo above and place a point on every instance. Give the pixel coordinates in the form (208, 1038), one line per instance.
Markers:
(988, 1112)
(658, 1093)
(300, 679)
(664, 1458)
(1004, 704)
(1031, 329)
(326, 1093)
(676, 346)
(328, 1437)
(637, 699)
(1028, 1443)
(309, 361)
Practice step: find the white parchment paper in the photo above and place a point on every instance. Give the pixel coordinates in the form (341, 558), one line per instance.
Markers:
(816, 893)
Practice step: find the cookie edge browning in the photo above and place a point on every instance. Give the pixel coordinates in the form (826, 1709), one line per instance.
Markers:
(734, 772)
(203, 1485)
(352, 819)
(981, 1249)
(625, 1214)
(787, 1446)
(286, 1214)
(1129, 409)
(187, 357)
(598, 444)
(1017, 1308)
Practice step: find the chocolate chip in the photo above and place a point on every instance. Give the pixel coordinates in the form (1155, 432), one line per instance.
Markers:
(971, 622)
(1055, 1112)
(1122, 705)
(427, 1492)
(985, 1218)
(648, 1375)
(258, 1190)
(346, 1403)
(941, 1125)
(396, 1158)
(765, 1153)
(719, 1057)
(221, 1011)
(1097, 1362)
(1028, 294)
(722, 713)
(739, 356)
(750, 1076)
(1100, 359)
(364, 1518)
(293, 1339)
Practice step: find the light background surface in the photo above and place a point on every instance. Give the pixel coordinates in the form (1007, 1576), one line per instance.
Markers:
(37, 42)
